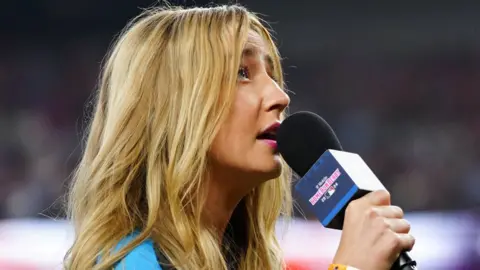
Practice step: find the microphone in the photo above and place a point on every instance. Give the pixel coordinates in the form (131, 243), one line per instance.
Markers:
(331, 177)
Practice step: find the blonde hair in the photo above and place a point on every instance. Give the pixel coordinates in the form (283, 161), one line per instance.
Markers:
(167, 85)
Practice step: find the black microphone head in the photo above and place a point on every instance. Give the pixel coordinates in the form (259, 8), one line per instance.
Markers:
(302, 138)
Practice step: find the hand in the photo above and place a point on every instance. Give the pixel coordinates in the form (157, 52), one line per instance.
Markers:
(374, 233)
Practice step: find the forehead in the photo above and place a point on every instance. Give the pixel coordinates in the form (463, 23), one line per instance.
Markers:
(256, 42)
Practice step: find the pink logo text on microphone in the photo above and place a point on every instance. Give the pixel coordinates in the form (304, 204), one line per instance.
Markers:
(324, 188)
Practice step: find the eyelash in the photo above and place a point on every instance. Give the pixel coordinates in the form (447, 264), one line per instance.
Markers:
(243, 73)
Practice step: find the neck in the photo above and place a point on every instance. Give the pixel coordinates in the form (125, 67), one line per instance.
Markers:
(222, 199)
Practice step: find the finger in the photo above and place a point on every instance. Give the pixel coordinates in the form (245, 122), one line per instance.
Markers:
(400, 226)
(389, 211)
(393, 244)
(379, 197)
(407, 241)
(397, 243)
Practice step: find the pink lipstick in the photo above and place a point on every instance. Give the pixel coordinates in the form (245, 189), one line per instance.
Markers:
(269, 135)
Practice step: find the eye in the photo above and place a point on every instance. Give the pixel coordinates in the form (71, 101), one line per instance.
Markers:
(243, 74)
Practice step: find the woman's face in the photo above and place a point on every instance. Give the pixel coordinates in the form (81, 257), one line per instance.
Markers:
(246, 143)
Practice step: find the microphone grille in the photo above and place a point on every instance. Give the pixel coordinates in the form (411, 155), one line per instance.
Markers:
(302, 138)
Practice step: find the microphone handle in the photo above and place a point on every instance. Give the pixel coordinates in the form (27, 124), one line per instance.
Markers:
(404, 262)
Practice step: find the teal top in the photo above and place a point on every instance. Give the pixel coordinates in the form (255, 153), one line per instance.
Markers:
(142, 257)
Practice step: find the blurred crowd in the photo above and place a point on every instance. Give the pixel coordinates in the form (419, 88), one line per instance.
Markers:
(415, 119)
(414, 115)
(43, 96)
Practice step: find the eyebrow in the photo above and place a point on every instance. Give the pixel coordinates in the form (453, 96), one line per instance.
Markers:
(253, 51)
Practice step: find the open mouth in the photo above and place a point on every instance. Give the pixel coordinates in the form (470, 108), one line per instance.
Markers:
(269, 136)
(270, 133)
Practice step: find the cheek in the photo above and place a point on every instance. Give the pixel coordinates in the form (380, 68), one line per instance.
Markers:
(238, 133)
(243, 120)
(246, 106)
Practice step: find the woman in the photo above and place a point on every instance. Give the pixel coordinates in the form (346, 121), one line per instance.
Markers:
(180, 165)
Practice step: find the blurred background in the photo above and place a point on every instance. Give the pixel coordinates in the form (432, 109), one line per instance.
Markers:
(399, 82)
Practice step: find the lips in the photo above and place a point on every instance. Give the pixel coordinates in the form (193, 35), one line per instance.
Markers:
(269, 135)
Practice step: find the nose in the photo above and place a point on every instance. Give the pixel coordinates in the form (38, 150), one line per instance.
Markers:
(275, 99)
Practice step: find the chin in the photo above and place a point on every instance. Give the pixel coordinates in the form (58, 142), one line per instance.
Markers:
(272, 169)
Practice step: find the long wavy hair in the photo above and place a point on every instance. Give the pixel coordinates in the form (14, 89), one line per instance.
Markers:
(166, 87)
